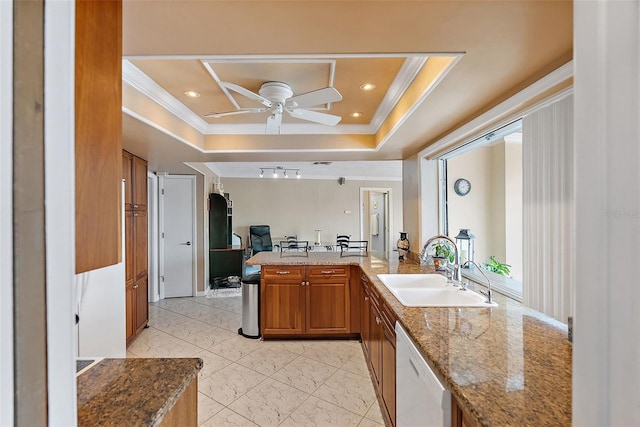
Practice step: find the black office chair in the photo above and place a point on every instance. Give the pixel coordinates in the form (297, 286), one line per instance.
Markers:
(260, 238)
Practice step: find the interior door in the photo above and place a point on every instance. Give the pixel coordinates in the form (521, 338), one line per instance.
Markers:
(177, 235)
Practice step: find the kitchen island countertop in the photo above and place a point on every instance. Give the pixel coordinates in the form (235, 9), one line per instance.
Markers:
(507, 365)
(133, 391)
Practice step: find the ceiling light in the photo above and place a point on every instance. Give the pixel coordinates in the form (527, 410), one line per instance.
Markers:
(261, 173)
(367, 86)
(298, 174)
(285, 174)
(356, 114)
(191, 93)
(275, 174)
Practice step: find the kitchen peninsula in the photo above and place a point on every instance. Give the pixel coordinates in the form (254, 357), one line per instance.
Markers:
(507, 365)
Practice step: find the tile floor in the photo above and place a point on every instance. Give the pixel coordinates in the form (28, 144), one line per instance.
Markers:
(248, 382)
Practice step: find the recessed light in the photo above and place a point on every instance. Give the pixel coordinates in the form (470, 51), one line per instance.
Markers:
(356, 114)
(191, 93)
(368, 86)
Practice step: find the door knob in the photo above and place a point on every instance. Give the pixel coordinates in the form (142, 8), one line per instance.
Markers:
(188, 243)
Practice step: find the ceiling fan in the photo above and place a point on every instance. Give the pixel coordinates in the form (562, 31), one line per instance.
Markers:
(277, 97)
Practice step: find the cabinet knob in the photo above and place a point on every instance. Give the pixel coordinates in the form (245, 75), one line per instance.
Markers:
(135, 206)
(366, 298)
(328, 271)
(282, 272)
(378, 320)
(135, 214)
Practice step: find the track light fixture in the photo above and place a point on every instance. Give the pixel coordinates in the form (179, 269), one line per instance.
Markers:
(285, 172)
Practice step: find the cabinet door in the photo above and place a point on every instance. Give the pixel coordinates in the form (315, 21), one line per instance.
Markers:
(283, 308)
(127, 166)
(365, 316)
(129, 227)
(140, 248)
(139, 174)
(375, 334)
(327, 306)
(282, 300)
(130, 304)
(389, 371)
(141, 303)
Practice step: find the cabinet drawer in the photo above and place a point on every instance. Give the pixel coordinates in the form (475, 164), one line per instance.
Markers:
(283, 272)
(389, 317)
(328, 271)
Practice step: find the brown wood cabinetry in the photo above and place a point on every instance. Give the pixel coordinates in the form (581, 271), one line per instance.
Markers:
(379, 341)
(305, 300)
(136, 245)
(98, 133)
(459, 417)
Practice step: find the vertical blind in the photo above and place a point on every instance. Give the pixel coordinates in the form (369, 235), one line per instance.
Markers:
(548, 209)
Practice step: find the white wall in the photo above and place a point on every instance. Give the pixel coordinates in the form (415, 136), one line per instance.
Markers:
(6, 209)
(300, 206)
(59, 86)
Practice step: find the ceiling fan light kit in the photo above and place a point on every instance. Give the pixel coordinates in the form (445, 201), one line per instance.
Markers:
(277, 97)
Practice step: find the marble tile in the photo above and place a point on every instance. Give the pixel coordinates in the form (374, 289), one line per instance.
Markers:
(207, 408)
(131, 354)
(227, 418)
(334, 353)
(316, 412)
(269, 403)
(183, 330)
(155, 312)
(229, 383)
(236, 348)
(366, 422)
(211, 363)
(357, 365)
(209, 337)
(171, 319)
(224, 320)
(374, 413)
(149, 342)
(298, 347)
(349, 391)
(305, 374)
(267, 360)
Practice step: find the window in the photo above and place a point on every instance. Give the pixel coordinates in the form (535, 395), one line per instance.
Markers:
(492, 208)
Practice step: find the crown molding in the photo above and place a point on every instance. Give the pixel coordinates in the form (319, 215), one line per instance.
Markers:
(138, 80)
(288, 129)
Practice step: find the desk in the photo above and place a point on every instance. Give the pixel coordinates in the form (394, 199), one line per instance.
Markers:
(226, 262)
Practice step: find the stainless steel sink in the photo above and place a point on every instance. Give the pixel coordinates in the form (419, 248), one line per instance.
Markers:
(430, 290)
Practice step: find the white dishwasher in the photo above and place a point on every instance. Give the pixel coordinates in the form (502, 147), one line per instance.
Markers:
(421, 400)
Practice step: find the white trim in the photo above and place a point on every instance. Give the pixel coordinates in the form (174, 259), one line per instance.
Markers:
(389, 209)
(294, 56)
(152, 208)
(289, 129)
(6, 213)
(506, 112)
(59, 144)
(161, 225)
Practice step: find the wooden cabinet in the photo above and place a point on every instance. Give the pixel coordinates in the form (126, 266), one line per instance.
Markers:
(134, 172)
(379, 342)
(305, 300)
(459, 417)
(98, 133)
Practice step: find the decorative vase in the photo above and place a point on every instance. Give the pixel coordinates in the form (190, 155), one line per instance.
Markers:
(440, 263)
(403, 245)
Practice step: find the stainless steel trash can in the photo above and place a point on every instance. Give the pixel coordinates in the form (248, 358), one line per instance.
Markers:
(250, 306)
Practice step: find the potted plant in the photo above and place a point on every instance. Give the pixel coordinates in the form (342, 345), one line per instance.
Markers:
(442, 254)
(496, 266)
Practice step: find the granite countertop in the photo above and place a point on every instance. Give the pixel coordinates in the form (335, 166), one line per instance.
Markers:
(132, 392)
(507, 365)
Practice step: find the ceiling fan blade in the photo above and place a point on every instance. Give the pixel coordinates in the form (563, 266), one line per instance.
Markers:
(315, 116)
(273, 124)
(236, 112)
(316, 97)
(246, 92)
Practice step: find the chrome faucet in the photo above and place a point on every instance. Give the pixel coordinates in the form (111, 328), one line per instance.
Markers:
(456, 260)
(488, 293)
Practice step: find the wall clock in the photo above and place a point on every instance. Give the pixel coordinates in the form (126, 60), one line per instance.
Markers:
(462, 187)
